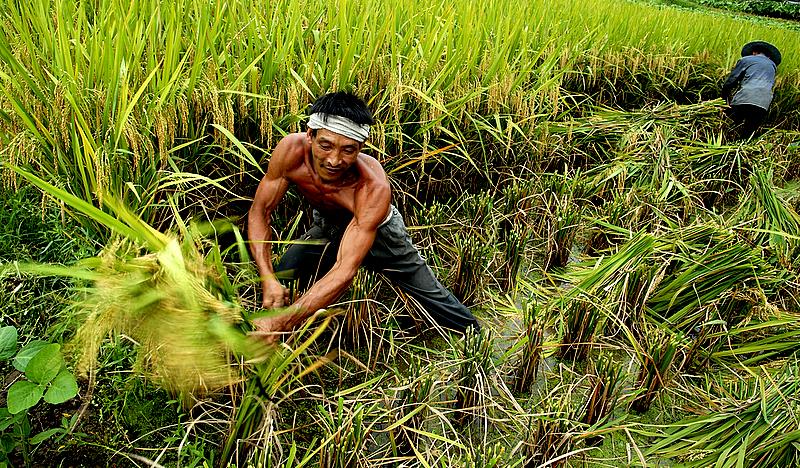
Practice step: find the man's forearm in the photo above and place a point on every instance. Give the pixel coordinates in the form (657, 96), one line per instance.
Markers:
(324, 292)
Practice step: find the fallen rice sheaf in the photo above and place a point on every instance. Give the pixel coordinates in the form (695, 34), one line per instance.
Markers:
(164, 303)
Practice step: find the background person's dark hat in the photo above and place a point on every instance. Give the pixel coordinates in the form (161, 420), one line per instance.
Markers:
(765, 48)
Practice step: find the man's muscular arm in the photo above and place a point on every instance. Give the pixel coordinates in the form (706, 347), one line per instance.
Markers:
(270, 191)
(371, 205)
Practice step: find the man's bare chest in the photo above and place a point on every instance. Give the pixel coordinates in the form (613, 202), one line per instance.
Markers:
(327, 198)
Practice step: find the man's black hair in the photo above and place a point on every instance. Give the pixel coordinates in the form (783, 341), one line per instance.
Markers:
(345, 105)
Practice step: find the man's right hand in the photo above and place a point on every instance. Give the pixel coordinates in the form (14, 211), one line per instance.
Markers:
(275, 295)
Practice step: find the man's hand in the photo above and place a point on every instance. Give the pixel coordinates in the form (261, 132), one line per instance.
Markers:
(271, 328)
(275, 294)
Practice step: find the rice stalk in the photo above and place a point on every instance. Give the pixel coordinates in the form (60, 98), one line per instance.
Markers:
(347, 433)
(551, 432)
(606, 381)
(755, 425)
(362, 314)
(660, 357)
(473, 256)
(412, 408)
(473, 373)
(582, 322)
(531, 353)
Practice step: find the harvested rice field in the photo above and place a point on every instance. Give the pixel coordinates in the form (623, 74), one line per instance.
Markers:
(569, 170)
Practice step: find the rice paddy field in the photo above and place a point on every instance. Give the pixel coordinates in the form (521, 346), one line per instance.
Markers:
(566, 167)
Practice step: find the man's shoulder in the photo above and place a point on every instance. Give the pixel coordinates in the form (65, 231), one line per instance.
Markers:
(373, 188)
(371, 170)
(291, 149)
(371, 161)
(294, 141)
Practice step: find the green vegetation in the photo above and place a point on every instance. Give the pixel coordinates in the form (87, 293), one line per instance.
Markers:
(566, 168)
(777, 9)
(45, 378)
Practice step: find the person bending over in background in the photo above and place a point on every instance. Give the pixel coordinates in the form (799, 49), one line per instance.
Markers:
(748, 88)
(354, 222)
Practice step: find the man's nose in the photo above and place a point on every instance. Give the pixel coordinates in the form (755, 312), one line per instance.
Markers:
(334, 159)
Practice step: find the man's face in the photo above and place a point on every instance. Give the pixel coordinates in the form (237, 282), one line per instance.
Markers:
(332, 154)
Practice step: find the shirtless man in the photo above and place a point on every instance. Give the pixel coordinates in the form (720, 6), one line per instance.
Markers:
(354, 224)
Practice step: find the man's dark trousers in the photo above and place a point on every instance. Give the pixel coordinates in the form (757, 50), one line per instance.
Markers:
(392, 254)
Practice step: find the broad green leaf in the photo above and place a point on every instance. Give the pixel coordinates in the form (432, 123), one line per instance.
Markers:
(7, 445)
(47, 363)
(27, 353)
(8, 342)
(42, 436)
(6, 419)
(62, 388)
(23, 395)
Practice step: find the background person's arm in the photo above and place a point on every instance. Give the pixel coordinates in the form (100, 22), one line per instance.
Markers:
(733, 79)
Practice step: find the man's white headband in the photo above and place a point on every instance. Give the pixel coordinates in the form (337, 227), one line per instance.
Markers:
(341, 125)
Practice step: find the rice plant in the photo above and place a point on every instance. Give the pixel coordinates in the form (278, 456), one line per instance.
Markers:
(347, 432)
(551, 431)
(473, 374)
(253, 432)
(561, 216)
(582, 322)
(770, 333)
(411, 409)
(638, 285)
(661, 356)
(531, 348)
(515, 227)
(473, 256)
(606, 381)
(773, 222)
(707, 277)
(363, 314)
(754, 424)
(514, 253)
(484, 457)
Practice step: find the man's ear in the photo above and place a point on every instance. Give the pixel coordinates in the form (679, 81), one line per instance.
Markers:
(309, 136)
